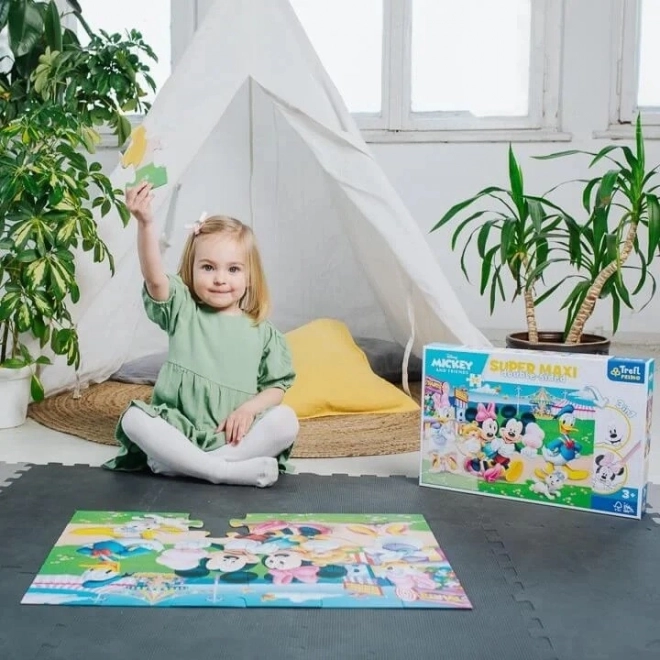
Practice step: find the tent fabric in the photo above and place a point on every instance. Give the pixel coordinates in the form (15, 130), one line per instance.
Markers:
(249, 124)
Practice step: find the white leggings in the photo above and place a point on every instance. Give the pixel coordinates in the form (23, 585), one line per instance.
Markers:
(251, 462)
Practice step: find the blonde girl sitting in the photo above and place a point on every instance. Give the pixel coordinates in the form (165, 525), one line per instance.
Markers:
(216, 411)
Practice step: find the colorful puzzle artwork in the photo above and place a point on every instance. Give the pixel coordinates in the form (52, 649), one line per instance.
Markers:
(279, 560)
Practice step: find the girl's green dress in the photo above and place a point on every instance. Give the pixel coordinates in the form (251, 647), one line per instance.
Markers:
(215, 363)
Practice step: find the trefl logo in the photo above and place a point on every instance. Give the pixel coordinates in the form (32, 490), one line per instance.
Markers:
(626, 371)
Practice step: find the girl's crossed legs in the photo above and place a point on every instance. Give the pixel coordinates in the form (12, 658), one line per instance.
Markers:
(250, 463)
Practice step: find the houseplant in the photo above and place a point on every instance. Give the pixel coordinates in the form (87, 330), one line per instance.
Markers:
(527, 237)
(53, 94)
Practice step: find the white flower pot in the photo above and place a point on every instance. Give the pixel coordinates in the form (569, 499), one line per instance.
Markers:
(14, 396)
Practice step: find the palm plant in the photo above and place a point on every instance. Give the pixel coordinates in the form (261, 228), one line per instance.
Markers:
(624, 203)
(513, 242)
(532, 234)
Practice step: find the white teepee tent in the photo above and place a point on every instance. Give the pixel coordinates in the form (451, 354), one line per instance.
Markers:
(249, 124)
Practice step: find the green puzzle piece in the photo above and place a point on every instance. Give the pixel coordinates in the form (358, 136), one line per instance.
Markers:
(156, 176)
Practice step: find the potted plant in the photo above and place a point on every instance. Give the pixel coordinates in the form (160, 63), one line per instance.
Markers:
(53, 93)
(527, 236)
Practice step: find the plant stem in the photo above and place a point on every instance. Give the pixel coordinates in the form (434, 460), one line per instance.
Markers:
(14, 342)
(530, 314)
(588, 304)
(530, 309)
(5, 339)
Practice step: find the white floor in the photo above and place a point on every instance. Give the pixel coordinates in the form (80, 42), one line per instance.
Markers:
(33, 443)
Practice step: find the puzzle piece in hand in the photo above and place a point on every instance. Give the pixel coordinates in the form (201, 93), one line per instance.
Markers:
(139, 148)
(155, 175)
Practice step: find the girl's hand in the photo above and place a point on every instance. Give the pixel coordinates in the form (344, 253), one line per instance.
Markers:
(237, 424)
(138, 202)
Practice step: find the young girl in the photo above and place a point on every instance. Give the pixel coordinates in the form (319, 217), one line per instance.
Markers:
(216, 410)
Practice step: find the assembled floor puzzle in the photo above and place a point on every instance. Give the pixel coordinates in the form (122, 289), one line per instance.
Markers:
(304, 560)
(569, 430)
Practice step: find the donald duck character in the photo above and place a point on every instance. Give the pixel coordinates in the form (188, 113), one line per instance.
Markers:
(562, 450)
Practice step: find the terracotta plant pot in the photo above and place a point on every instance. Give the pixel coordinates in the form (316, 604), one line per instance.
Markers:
(552, 341)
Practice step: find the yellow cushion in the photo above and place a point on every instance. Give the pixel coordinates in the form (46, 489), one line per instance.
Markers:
(333, 376)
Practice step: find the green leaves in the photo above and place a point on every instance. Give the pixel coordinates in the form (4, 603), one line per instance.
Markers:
(514, 236)
(25, 24)
(53, 27)
(527, 237)
(46, 223)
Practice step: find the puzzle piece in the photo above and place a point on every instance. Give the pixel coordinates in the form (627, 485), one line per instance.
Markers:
(155, 175)
(140, 155)
(139, 147)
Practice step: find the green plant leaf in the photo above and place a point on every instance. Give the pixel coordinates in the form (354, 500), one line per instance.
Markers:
(13, 363)
(606, 188)
(562, 154)
(25, 26)
(616, 312)
(602, 153)
(546, 294)
(507, 240)
(516, 181)
(463, 224)
(639, 143)
(486, 269)
(36, 389)
(457, 208)
(53, 27)
(653, 207)
(124, 129)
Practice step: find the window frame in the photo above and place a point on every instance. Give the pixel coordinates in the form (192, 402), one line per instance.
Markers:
(398, 123)
(624, 72)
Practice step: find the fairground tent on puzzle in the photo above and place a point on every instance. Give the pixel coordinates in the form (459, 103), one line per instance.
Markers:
(250, 125)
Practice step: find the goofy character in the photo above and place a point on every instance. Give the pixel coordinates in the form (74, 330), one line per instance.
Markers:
(564, 449)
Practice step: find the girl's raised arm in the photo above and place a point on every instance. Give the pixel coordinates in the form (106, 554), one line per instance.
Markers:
(138, 201)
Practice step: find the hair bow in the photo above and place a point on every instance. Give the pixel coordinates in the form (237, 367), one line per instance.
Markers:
(196, 227)
(485, 412)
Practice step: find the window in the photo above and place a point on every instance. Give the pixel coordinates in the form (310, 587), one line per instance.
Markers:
(635, 64)
(460, 64)
(150, 17)
(648, 84)
(351, 50)
(428, 69)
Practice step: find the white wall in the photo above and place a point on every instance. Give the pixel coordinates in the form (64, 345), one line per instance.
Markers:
(431, 177)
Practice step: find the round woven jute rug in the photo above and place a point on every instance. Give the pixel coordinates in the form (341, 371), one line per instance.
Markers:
(94, 414)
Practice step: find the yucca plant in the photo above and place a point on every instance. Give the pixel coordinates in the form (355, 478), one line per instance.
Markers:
(528, 235)
(513, 241)
(621, 235)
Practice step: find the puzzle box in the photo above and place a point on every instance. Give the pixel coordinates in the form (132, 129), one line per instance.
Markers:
(552, 428)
